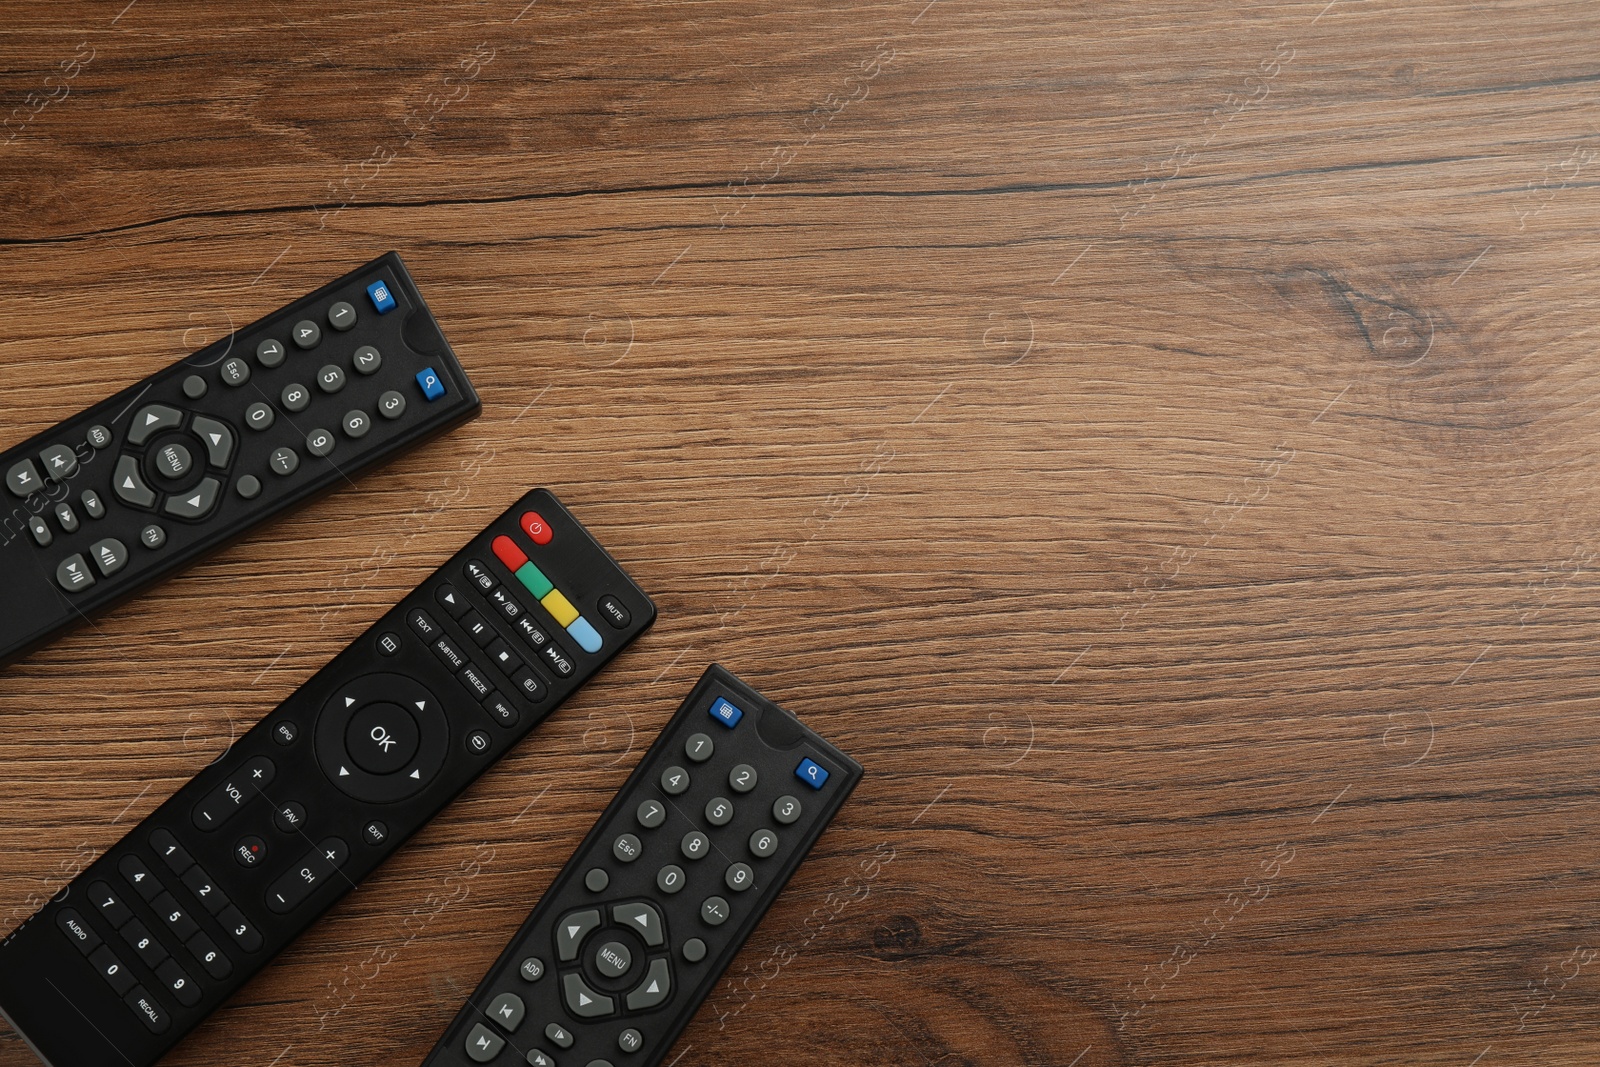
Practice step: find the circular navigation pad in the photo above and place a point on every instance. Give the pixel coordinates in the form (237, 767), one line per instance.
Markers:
(382, 738)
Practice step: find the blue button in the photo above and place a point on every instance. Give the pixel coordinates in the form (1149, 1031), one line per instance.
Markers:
(432, 387)
(382, 299)
(726, 713)
(584, 634)
(811, 773)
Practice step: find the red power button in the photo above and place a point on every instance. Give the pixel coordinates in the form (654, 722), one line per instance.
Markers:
(535, 527)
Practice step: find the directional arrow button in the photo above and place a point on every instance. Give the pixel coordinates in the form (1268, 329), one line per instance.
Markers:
(196, 504)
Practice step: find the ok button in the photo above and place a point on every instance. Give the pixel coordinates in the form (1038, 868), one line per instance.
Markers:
(381, 738)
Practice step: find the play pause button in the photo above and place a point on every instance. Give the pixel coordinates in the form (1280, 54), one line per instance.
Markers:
(73, 574)
(109, 555)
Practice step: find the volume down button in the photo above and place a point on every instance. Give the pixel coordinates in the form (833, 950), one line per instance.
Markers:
(221, 803)
(314, 868)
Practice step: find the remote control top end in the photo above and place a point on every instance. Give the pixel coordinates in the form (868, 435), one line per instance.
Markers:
(170, 921)
(140, 485)
(651, 909)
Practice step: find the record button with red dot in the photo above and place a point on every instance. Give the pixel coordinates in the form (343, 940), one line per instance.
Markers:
(552, 599)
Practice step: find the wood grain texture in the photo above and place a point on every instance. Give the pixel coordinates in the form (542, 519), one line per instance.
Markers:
(1156, 438)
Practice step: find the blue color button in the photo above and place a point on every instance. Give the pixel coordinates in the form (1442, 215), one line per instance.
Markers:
(586, 636)
(811, 773)
(382, 299)
(726, 713)
(432, 387)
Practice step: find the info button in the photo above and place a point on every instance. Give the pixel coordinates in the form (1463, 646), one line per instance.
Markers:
(381, 738)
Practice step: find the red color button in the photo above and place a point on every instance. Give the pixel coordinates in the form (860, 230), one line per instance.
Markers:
(509, 553)
(535, 527)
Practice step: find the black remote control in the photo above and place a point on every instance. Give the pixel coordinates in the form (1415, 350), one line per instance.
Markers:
(140, 485)
(652, 907)
(159, 930)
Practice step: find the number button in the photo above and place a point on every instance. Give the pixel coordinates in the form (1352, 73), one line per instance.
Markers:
(786, 809)
(330, 379)
(391, 405)
(699, 748)
(295, 397)
(763, 843)
(695, 845)
(356, 424)
(670, 878)
(674, 781)
(627, 848)
(719, 811)
(651, 814)
(319, 442)
(259, 416)
(342, 316)
(742, 778)
(270, 353)
(306, 334)
(739, 877)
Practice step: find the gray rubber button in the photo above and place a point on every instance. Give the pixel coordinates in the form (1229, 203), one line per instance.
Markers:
(128, 483)
(270, 353)
(582, 1001)
(305, 334)
(23, 479)
(391, 405)
(699, 748)
(109, 555)
(152, 536)
(742, 778)
(249, 486)
(532, 969)
(669, 879)
(151, 420)
(234, 371)
(99, 437)
(559, 1035)
(763, 843)
(739, 877)
(694, 845)
(40, 531)
(356, 424)
(194, 387)
(571, 930)
(714, 911)
(259, 416)
(656, 987)
(651, 814)
(627, 848)
(613, 959)
(330, 379)
(694, 950)
(73, 574)
(483, 1044)
(786, 809)
(342, 316)
(195, 504)
(295, 397)
(319, 442)
(507, 1011)
(539, 1059)
(215, 437)
(643, 920)
(366, 360)
(60, 463)
(630, 1040)
(67, 517)
(596, 880)
(174, 461)
(284, 461)
(674, 781)
(92, 505)
(719, 811)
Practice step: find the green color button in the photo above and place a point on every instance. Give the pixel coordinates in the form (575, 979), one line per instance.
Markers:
(534, 579)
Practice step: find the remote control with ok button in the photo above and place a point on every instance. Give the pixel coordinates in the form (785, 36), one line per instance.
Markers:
(175, 917)
(140, 485)
(657, 900)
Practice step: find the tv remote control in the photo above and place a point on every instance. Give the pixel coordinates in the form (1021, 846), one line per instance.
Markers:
(140, 485)
(164, 926)
(652, 907)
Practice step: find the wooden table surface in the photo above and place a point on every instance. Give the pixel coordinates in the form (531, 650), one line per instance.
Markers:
(1155, 438)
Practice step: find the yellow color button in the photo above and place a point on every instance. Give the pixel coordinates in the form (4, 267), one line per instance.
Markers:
(559, 607)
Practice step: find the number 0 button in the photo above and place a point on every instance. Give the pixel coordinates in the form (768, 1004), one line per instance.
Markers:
(670, 878)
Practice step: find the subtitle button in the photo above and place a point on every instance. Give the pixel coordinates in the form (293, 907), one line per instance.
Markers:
(73, 574)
